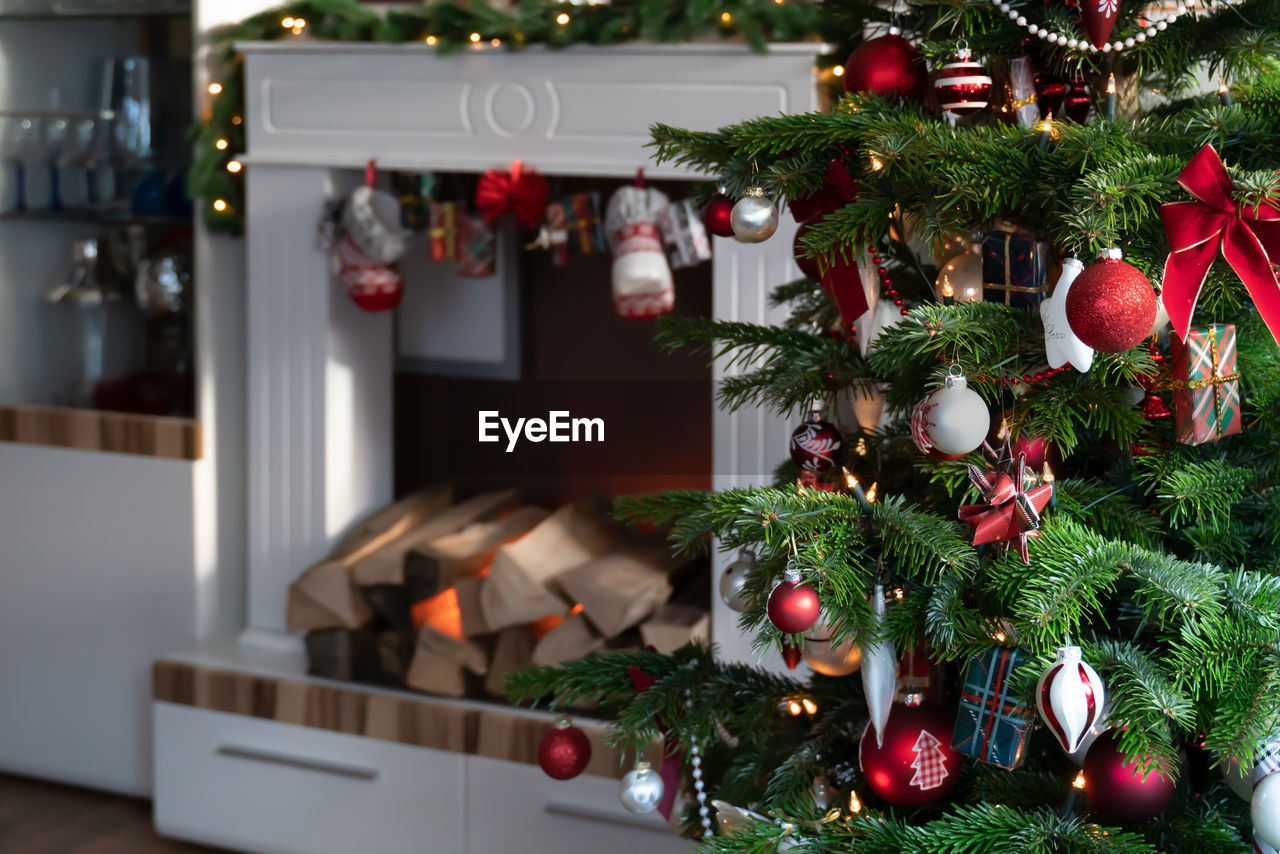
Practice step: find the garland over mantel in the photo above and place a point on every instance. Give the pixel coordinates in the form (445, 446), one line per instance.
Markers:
(217, 176)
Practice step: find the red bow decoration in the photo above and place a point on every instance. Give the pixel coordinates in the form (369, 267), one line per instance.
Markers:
(837, 190)
(522, 192)
(1013, 506)
(1246, 235)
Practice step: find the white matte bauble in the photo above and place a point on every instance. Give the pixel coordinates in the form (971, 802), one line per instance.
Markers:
(733, 582)
(754, 218)
(641, 789)
(1261, 847)
(954, 418)
(1264, 810)
(832, 659)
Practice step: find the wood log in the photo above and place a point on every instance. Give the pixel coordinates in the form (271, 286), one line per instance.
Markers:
(395, 520)
(517, 591)
(571, 639)
(621, 588)
(351, 656)
(673, 626)
(469, 550)
(385, 565)
(512, 650)
(440, 662)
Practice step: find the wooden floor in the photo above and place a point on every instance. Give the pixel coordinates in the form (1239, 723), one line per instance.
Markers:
(40, 818)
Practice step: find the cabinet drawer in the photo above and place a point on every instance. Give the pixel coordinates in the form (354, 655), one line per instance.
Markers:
(262, 786)
(514, 807)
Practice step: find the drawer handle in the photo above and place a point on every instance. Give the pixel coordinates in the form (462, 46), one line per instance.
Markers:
(604, 816)
(355, 772)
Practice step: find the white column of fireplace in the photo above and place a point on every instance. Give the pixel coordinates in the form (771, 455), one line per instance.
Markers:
(320, 369)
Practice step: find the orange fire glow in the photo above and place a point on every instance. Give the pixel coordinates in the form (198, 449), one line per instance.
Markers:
(441, 612)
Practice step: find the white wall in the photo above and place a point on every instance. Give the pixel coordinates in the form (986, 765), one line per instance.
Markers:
(95, 584)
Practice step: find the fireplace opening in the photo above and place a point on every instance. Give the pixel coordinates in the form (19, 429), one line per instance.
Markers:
(500, 554)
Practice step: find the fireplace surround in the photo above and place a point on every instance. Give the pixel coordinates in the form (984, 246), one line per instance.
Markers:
(319, 419)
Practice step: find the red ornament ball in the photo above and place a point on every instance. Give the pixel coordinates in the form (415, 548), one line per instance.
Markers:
(915, 766)
(564, 751)
(1111, 306)
(1077, 105)
(807, 263)
(963, 86)
(715, 216)
(816, 445)
(794, 606)
(1118, 790)
(889, 66)
(791, 654)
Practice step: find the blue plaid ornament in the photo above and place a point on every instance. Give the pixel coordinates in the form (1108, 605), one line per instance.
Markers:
(993, 722)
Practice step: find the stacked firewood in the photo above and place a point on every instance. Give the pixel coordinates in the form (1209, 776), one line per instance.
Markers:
(447, 597)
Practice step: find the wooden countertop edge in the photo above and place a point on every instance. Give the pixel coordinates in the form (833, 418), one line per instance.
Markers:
(113, 432)
(475, 729)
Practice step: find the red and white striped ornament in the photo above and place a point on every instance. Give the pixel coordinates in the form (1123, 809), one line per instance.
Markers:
(963, 86)
(1070, 698)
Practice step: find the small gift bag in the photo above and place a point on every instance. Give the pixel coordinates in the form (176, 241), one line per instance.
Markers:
(1206, 396)
(684, 235)
(993, 722)
(1015, 269)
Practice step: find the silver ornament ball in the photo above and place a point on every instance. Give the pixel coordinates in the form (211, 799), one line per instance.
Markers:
(754, 218)
(641, 789)
(733, 583)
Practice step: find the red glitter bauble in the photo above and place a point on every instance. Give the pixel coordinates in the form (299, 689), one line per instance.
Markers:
(1111, 306)
(794, 606)
(564, 751)
(715, 216)
(889, 66)
(816, 445)
(807, 264)
(963, 86)
(1118, 790)
(916, 765)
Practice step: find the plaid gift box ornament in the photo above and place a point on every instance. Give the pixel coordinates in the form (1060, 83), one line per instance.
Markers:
(993, 722)
(1015, 269)
(1206, 397)
(1268, 757)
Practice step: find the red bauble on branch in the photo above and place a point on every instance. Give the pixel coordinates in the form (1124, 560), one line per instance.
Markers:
(564, 751)
(916, 765)
(715, 216)
(791, 653)
(1099, 17)
(889, 65)
(816, 444)
(1118, 789)
(793, 605)
(962, 85)
(1111, 306)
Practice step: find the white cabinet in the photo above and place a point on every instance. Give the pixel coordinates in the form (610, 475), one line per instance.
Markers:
(261, 786)
(271, 788)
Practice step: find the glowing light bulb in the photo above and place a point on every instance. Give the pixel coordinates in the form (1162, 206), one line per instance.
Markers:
(855, 805)
(850, 481)
(810, 707)
(725, 17)
(562, 18)
(219, 205)
(1000, 637)
(234, 166)
(431, 40)
(495, 42)
(876, 163)
(475, 37)
(871, 492)
(287, 23)
(221, 145)
(1078, 782)
(861, 448)
(838, 71)
(215, 88)
(947, 290)
(1004, 428)
(794, 708)
(236, 120)
(1048, 473)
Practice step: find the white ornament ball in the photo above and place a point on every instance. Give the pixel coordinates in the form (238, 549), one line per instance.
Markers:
(641, 789)
(754, 218)
(733, 583)
(1239, 777)
(1264, 810)
(954, 418)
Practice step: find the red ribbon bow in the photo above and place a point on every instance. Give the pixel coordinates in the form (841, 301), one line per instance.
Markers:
(1246, 235)
(522, 192)
(1012, 511)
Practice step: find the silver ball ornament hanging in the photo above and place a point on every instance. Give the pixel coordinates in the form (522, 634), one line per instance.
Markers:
(641, 789)
(754, 218)
(733, 582)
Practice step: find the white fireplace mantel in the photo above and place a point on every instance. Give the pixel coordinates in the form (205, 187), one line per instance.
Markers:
(320, 369)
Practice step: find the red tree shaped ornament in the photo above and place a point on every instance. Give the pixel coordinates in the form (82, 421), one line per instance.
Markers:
(1099, 18)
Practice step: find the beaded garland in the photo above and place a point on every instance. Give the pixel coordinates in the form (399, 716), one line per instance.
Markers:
(1072, 43)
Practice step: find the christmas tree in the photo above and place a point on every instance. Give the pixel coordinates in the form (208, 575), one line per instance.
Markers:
(1029, 535)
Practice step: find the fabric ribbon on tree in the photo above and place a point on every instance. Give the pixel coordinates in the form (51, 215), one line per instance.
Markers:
(1014, 502)
(521, 192)
(1247, 235)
